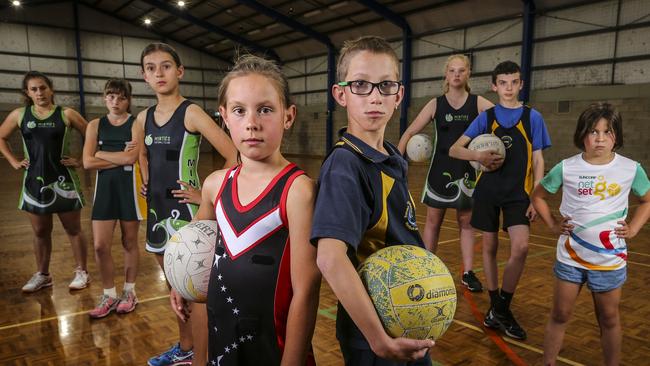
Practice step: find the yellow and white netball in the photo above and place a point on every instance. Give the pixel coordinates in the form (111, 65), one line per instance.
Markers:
(419, 148)
(412, 290)
(486, 142)
(188, 259)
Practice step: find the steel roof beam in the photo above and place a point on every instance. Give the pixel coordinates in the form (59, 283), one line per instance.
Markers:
(331, 53)
(407, 54)
(211, 27)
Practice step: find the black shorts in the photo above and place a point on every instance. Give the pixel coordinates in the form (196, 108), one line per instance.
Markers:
(365, 357)
(485, 215)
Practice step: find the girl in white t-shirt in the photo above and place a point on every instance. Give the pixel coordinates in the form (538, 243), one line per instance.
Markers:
(591, 249)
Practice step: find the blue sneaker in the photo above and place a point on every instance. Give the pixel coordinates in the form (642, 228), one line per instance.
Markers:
(172, 357)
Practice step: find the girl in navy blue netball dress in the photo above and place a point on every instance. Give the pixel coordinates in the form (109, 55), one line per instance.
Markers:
(264, 284)
(50, 183)
(450, 182)
(111, 149)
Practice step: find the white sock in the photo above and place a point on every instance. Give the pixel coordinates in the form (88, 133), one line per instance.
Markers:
(110, 292)
(129, 286)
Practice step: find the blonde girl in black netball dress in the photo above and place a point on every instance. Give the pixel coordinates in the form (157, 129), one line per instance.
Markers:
(450, 182)
(50, 182)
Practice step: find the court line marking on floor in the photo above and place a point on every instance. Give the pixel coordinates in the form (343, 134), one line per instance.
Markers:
(84, 312)
(492, 334)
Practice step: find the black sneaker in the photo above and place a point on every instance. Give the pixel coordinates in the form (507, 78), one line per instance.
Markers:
(470, 281)
(491, 321)
(512, 328)
(505, 323)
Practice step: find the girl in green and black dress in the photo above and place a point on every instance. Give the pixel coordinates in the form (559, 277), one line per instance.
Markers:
(50, 182)
(172, 131)
(111, 149)
(450, 182)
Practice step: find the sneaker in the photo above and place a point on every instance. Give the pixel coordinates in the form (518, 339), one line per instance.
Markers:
(127, 302)
(37, 282)
(506, 323)
(172, 357)
(490, 320)
(80, 280)
(470, 281)
(105, 306)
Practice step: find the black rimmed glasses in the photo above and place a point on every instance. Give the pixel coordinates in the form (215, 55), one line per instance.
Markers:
(364, 87)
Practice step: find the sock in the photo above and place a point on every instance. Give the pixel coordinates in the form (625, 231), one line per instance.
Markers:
(506, 298)
(129, 286)
(110, 292)
(495, 299)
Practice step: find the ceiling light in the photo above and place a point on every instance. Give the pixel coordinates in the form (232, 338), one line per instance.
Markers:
(15, 3)
(312, 13)
(181, 3)
(147, 21)
(337, 5)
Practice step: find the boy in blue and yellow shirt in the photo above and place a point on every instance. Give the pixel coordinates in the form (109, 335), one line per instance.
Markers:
(363, 203)
(505, 189)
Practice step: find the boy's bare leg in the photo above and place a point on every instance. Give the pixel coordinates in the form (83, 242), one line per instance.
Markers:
(490, 246)
(518, 251)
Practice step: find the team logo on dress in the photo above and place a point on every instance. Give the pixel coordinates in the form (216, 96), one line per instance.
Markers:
(409, 215)
(31, 124)
(449, 117)
(415, 292)
(148, 140)
(507, 141)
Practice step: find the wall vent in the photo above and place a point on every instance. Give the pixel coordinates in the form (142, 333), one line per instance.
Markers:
(563, 106)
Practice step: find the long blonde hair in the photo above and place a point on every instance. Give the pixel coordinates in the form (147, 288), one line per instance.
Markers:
(465, 59)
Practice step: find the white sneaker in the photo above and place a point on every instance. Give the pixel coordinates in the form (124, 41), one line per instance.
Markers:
(80, 280)
(37, 282)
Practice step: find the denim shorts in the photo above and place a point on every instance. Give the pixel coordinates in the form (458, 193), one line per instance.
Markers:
(597, 281)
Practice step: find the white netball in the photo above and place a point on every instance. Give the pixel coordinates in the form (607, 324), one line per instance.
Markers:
(486, 142)
(188, 259)
(419, 148)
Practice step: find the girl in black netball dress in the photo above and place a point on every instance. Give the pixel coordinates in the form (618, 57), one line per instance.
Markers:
(450, 182)
(111, 149)
(50, 182)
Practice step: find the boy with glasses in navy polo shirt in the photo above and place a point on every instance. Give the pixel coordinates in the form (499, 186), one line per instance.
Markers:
(363, 203)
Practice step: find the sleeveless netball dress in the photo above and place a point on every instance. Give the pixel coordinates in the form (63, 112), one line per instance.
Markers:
(116, 189)
(450, 182)
(250, 284)
(48, 185)
(173, 154)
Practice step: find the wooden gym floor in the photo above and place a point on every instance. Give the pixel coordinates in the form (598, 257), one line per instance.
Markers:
(51, 327)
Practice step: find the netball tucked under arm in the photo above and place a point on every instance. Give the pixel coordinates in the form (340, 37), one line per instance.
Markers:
(9, 125)
(305, 276)
(90, 148)
(342, 277)
(420, 122)
(197, 120)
